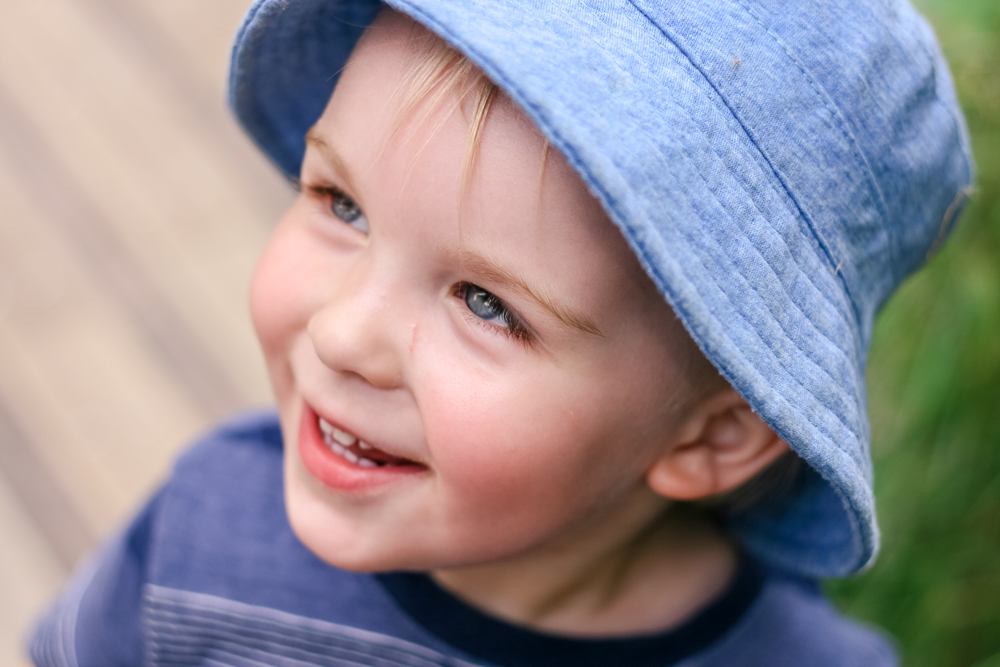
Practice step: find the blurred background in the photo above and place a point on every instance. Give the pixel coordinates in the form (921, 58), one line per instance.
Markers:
(934, 399)
(132, 210)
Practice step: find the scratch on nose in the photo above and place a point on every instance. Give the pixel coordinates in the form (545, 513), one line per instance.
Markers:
(413, 337)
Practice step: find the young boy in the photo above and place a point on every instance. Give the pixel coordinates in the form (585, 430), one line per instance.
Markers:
(552, 306)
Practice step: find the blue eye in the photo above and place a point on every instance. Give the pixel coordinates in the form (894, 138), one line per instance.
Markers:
(340, 204)
(485, 306)
(492, 311)
(347, 210)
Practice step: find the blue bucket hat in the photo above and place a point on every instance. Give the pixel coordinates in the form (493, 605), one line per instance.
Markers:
(778, 167)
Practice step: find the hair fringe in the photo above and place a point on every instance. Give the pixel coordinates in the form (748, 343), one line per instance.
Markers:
(439, 74)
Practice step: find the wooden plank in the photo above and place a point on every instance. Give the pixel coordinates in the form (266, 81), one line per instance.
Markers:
(54, 515)
(41, 178)
(102, 409)
(126, 146)
(29, 575)
(132, 210)
(189, 42)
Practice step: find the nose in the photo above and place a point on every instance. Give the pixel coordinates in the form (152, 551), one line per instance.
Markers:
(358, 331)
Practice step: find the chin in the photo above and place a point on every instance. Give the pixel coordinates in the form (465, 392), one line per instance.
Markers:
(335, 541)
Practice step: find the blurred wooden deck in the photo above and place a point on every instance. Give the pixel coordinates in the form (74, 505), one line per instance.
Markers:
(132, 210)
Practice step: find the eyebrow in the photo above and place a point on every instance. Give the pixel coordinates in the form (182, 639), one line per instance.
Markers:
(496, 273)
(332, 157)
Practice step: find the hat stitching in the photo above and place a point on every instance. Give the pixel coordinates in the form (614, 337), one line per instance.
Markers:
(806, 217)
(801, 272)
(842, 126)
(820, 463)
(672, 296)
(806, 354)
(835, 438)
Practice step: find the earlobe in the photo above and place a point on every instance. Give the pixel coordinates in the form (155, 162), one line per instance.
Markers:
(721, 446)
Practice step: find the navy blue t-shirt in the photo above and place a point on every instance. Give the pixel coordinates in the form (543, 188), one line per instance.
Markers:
(210, 573)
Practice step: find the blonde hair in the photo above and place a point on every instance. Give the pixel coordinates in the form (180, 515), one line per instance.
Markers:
(438, 75)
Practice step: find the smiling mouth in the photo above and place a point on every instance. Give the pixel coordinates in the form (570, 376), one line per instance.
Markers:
(356, 451)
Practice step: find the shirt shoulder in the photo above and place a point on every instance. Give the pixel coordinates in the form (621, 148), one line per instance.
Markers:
(793, 624)
(97, 620)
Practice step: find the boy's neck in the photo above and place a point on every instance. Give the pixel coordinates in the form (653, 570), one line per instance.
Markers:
(649, 581)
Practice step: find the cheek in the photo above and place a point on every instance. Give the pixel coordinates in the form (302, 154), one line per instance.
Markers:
(521, 456)
(275, 298)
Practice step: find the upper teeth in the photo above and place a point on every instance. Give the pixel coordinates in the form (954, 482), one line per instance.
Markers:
(339, 441)
(344, 438)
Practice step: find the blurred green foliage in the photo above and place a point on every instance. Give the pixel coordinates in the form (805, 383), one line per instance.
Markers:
(934, 397)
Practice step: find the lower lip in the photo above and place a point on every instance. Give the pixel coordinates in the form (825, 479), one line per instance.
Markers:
(337, 472)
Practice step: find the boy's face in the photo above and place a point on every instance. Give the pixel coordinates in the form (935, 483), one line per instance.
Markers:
(512, 367)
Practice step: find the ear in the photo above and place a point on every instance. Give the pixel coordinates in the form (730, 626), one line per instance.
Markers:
(721, 446)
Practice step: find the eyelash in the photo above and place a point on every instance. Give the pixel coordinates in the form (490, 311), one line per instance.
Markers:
(514, 329)
(333, 193)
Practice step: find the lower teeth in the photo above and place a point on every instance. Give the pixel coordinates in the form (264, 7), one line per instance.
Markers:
(340, 450)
